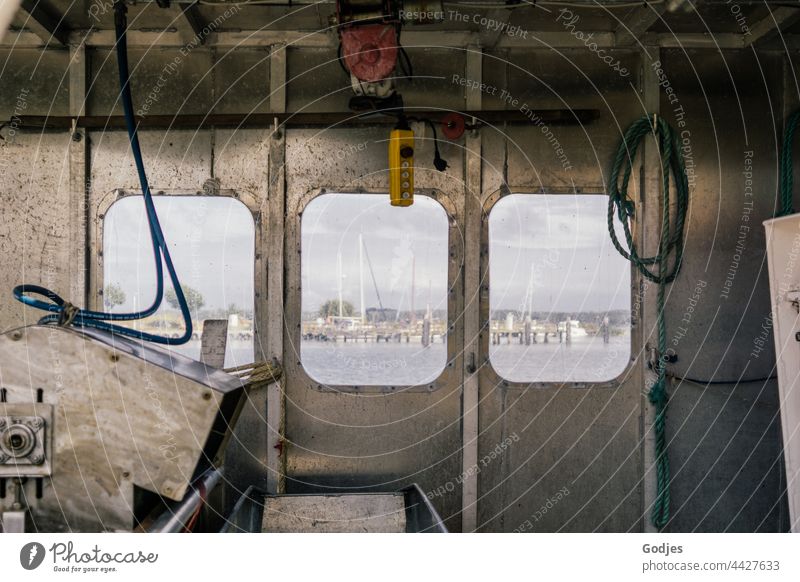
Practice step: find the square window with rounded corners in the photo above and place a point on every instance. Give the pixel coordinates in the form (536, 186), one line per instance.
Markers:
(212, 243)
(374, 290)
(560, 294)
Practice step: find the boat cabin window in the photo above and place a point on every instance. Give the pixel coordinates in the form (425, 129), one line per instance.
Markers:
(212, 242)
(374, 290)
(559, 293)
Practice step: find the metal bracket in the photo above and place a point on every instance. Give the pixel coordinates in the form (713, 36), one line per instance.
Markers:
(24, 445)
(22, 440)
(793, 297)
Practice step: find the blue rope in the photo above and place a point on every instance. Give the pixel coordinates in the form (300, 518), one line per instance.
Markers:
(62, 312)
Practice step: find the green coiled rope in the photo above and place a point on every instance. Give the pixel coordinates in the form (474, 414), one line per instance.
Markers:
(786, 170)
(657, 268)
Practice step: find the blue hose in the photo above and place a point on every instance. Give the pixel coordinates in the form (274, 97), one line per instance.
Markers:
(61, 311)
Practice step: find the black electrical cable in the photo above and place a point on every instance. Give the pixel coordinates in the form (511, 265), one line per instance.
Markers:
(716, 382)
(408, 70)
(438, 162)
(341, 60)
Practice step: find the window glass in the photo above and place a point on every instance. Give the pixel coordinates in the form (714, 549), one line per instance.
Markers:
(374, 299)
(560, 294)
(211, 240)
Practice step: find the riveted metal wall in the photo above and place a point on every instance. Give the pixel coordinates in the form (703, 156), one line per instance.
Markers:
(34, 228)
(726, 453)
(368, 438)
(582, 446)
(574, 460)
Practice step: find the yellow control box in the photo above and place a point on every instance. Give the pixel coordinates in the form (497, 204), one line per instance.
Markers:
(401, 167)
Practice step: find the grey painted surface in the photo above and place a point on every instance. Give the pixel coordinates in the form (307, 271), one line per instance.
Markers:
(335, 514)
(34, 231)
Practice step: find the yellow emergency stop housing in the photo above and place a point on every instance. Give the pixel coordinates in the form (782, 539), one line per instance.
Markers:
(401, 167)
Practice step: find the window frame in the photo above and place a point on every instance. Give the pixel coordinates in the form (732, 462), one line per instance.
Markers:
(293, 366)
(97, 270)
(489, 374)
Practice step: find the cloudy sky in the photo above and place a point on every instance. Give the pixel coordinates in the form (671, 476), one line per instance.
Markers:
(211, 241)
(395, 239)
(563, 242)
(556, 246)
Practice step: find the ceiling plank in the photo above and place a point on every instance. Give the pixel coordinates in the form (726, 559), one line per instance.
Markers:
(265, 38)
(640, 20)
(489, 36)
(194, 20)
(779, 19)
(47, 26)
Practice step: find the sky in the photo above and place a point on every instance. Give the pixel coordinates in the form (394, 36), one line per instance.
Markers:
(555, 245)
(211, 241)
(563, 240)
(394, 238)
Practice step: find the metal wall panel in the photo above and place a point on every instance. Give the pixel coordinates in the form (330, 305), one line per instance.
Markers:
(727, 450)
(732, 103)
(557, 80)
(163, 81)
(587, 439)
(34, 228)
(352, 439)
(573, 459)
(40, 79)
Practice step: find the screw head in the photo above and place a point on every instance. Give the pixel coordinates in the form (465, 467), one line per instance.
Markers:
(35, 423)
(3, 458)
(2, 423)
(37, 459)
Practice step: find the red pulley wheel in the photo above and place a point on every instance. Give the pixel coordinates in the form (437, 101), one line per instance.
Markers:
(453, 125)
(370, 51)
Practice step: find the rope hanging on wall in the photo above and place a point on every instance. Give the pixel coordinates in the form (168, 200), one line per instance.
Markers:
(786, 183)
(657, 268)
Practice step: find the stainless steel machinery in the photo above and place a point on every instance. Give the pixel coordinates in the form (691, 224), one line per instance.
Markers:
(100, 433)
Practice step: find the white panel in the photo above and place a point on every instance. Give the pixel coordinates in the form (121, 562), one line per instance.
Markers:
(783, 252)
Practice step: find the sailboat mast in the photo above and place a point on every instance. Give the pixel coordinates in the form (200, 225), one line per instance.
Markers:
(361, 277)
(413, 277)
(530, 294)
(339, 278)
